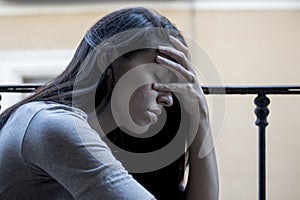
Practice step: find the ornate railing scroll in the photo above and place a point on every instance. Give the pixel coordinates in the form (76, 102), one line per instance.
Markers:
(261, 111)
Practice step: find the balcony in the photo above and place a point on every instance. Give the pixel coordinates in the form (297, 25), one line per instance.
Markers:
(252, 44)
(261, 111)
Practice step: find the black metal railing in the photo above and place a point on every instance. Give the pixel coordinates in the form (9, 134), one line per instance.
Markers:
(261, 111)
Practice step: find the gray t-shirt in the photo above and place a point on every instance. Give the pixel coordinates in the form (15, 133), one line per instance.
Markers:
(45, 153)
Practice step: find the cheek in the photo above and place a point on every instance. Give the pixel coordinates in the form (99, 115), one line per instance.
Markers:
(141, 100)
(136, 102)
(144, 95)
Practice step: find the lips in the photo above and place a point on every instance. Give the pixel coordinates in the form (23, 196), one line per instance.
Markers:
(153, 114)
(157, 112)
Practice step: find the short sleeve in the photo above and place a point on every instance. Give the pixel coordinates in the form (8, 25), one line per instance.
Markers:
(61, 144)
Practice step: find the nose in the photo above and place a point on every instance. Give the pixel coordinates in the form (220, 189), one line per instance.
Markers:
(165, 99)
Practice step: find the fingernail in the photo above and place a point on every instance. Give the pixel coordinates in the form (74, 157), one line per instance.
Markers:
(172, 37)
(161, 48)
(159, 59)
(155, 85)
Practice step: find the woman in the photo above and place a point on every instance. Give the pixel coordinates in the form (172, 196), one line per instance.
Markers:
(62, 142)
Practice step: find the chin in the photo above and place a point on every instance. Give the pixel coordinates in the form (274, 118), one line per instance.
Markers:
(145, 123)
(147, 120)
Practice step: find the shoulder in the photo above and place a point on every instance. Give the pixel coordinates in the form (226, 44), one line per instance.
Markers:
(61, 135)
(57, 131)
(55, 117)
(54, 125)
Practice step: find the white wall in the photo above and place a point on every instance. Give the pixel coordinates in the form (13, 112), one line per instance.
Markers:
(17, 65)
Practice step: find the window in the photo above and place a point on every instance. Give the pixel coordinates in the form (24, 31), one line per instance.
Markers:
(17, 67)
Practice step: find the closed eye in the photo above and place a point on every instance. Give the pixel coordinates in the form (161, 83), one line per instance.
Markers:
(166, 77)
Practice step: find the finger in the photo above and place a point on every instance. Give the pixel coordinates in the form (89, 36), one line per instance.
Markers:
(180, 46)
(182, 88)
(173, 66)
(179, 56)
(163, 87)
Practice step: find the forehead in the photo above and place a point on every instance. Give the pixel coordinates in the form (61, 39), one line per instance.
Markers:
(145, 55)
(144, 58)
(135, 58)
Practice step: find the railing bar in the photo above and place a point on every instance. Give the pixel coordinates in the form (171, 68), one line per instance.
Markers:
(19, 88)
(261, 111)
(222, 90)
(294, 89)
(226, 90)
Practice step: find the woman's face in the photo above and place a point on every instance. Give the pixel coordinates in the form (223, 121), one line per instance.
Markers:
(145, 103)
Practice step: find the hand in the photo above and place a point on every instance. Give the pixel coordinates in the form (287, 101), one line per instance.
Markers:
(187, 86)
(203, 180)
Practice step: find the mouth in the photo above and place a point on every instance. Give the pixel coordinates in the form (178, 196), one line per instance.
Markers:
(156, 111)
(153, 114)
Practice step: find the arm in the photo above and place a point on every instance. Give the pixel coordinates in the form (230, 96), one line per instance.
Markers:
(203, 180)
(203, 174)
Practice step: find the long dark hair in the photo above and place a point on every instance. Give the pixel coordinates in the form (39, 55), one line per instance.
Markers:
(61, 90)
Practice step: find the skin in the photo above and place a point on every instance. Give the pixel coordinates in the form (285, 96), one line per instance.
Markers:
(203, 173)
(146, 103)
